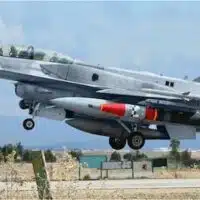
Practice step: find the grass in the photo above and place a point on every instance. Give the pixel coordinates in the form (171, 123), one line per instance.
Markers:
(177, 173)
(72, 193)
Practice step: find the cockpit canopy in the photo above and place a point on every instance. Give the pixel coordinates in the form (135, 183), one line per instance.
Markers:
(30, 52)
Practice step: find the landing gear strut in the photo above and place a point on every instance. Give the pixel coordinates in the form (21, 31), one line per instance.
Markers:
(135, 139)
(117, 143)
(28, 124)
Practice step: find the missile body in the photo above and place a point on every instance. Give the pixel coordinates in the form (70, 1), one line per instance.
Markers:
(106, 109)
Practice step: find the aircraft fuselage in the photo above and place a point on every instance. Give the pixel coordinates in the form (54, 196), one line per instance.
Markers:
(106, 101)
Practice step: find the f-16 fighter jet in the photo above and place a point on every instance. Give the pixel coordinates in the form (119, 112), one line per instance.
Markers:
(116, 103)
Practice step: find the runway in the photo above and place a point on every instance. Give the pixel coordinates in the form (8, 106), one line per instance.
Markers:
(113, 184)
(142, 184)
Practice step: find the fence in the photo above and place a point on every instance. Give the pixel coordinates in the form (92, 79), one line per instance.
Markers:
(118, 170)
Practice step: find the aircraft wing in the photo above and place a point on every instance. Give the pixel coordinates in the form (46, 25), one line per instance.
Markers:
(107, 93)
(115, 93)
(45, 81)
(146, 93)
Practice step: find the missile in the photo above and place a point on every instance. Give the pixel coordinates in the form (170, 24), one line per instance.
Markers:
(106, 109)
(132, 111)
(114, 108)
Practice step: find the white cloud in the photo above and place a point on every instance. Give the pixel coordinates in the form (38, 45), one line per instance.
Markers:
(11, 34)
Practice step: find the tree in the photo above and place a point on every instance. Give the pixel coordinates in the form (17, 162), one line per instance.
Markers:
(49, 156)
(6, 150)
(76, 153)
(27, 157)
(115, 156)
(19, 149)
(174, 153)
(1, 157)
(175, 146)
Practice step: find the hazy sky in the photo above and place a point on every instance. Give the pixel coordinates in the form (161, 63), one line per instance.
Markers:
(162, 37)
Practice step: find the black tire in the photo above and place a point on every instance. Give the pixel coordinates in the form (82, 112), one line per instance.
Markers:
(117, 143)
(23, 105)
(28, 124)
(136, 141)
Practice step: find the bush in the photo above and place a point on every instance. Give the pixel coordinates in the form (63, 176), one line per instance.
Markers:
(115, 156)
(140, 156)
(1, 157)
(128, 156)
(49, 156)
(27, 156)
(135, 156)
(87, 177)
(76, 154)
(186, 158)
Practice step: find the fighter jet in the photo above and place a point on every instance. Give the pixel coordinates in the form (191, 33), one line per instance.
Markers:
(117, 103)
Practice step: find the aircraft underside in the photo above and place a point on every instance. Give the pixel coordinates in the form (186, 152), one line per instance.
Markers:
(132, 132)
(119, 133)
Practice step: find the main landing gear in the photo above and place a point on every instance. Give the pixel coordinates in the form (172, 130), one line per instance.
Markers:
(135, 139)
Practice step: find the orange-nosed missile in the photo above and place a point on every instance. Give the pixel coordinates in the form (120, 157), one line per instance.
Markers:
(114, 108)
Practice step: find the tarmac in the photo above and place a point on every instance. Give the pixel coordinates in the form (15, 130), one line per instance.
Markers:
(140, 183)
(113, 184)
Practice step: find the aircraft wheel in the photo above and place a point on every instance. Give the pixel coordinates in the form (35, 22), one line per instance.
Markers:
(117, 143)
(23, 105)
(136, 141)
(28, 124)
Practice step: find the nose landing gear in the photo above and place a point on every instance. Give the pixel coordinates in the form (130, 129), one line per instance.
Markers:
(29, 123)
